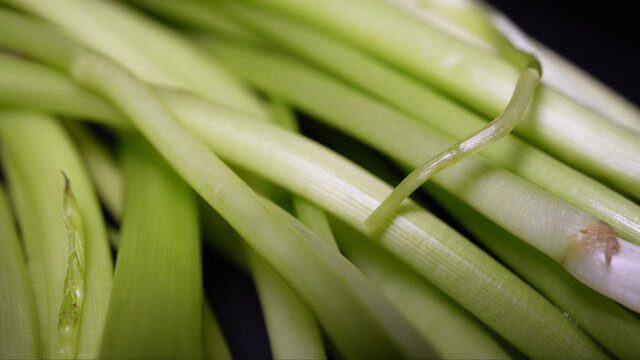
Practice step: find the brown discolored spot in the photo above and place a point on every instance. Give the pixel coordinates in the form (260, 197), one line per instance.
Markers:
(600, 235)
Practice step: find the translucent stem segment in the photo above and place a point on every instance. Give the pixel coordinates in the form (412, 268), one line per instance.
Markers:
(500, 127)
(72, 303)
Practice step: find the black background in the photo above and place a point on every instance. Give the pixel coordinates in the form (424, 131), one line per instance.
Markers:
(600, 37)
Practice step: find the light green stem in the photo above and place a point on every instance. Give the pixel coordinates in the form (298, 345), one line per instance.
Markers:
(196, 14)
(376, 329)
(141, 45)
(306, 212)
(492, 132)
(291, 327)
(603, 319)
(155, 310)
(483, 81)
(452, 330)
(477, 22)
(451, 263)
(437, 111)
(35, 150)
(18, 327)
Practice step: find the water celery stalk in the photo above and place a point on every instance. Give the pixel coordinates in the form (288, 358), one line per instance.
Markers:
(291, 327)
(421, 240)
(483, 81)
(492, 190)
(35, 151)
(346, 192)
(109, 184)
(310, 164)
(453, 331)
(607, 322)
(376, 329)
(140, 44)
(492, 132)
(441, 114)
(307, 213)
(158, 266)
(18, 327)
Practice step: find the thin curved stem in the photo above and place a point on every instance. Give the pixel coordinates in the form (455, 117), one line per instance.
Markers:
(494, 131)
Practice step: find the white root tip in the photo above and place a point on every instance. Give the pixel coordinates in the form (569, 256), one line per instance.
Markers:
(607, 264)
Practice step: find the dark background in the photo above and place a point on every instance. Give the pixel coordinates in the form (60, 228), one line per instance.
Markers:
(601, 38)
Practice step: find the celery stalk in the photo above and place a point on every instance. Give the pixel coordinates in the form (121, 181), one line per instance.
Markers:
(442, 115)
(483, 81)
(141, 45)
(452, 330)
(155, 310)
(374, 320)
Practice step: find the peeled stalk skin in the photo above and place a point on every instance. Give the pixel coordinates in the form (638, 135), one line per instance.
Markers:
(451, 263)
(366, 325)
(155, 309)
(38, 149)
(141, 44)
(454, 332)
(18, 327)
(607, 322)
(445, 116)
(483, 81)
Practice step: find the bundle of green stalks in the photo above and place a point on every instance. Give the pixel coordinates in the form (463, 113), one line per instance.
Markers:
(136, 135)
